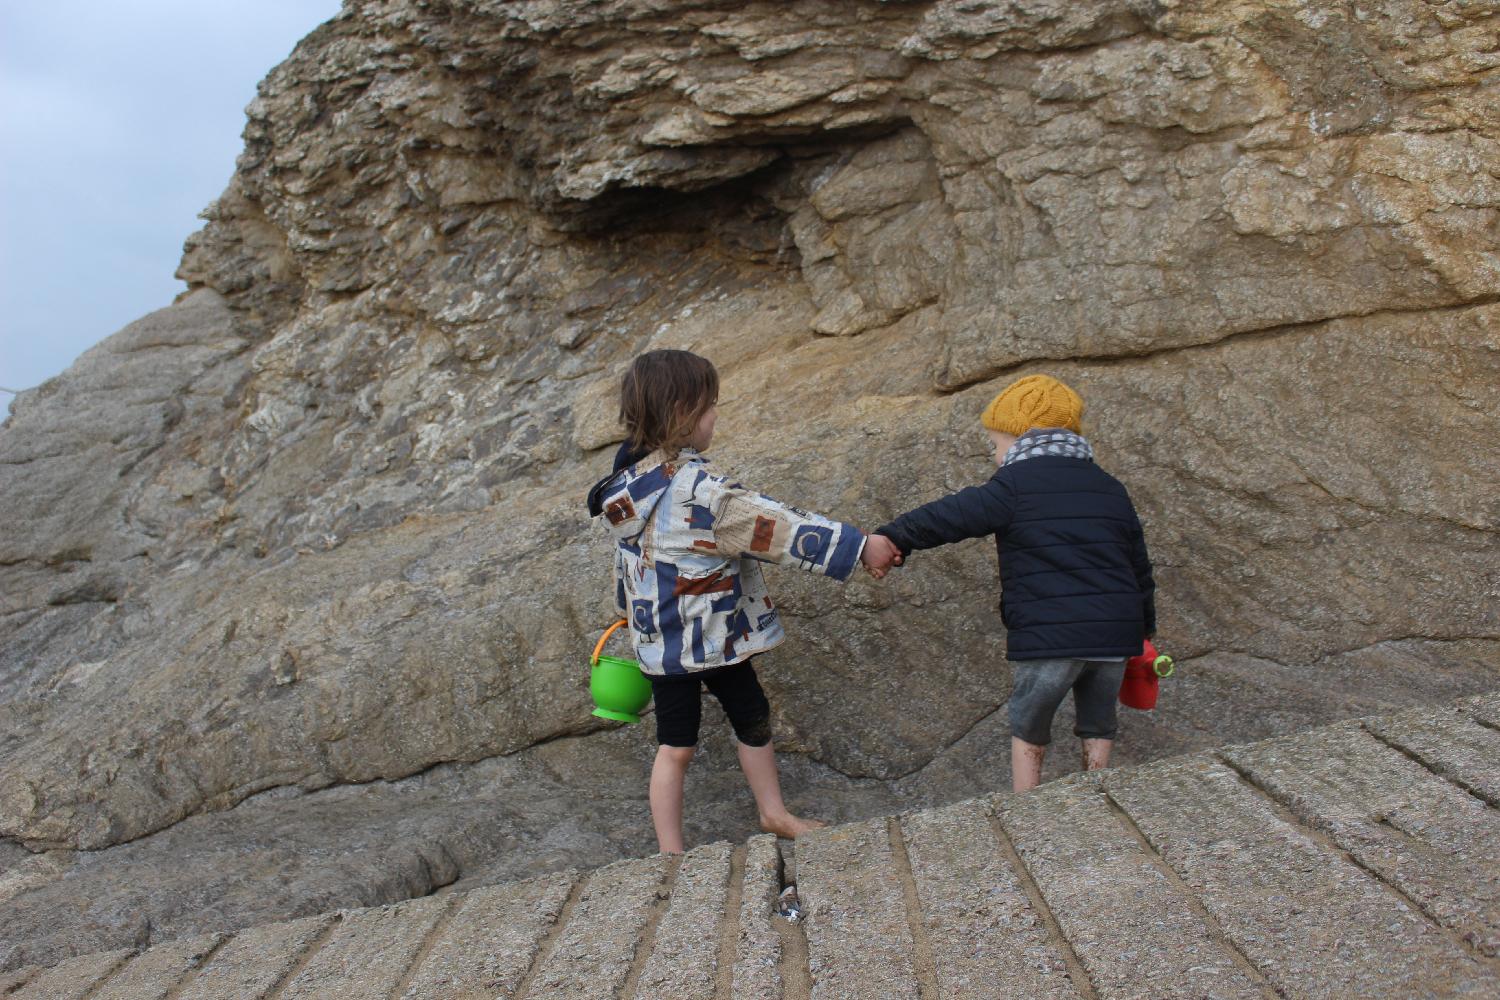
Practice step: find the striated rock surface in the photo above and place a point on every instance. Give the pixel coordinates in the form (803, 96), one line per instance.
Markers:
(319, 523)
(1248, 871)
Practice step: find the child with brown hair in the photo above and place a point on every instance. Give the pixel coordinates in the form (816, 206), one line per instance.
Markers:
(687, 578)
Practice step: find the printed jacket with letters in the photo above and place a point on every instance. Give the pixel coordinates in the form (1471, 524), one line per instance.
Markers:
(689, 545)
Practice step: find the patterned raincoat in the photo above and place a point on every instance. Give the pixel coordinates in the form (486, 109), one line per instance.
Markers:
(687, 570)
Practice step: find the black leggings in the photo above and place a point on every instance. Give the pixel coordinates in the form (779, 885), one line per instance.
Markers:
(679, 706)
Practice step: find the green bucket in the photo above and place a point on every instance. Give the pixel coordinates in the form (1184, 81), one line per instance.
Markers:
(617, 685)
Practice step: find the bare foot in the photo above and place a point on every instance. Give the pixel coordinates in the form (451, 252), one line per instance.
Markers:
(789, 826)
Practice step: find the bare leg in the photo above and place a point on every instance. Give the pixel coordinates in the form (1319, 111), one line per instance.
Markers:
(1025, 764)
(759, 765)
(668, 774)
(1096, 754)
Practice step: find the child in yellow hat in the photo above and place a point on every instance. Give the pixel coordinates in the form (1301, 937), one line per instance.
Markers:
(1077, 594)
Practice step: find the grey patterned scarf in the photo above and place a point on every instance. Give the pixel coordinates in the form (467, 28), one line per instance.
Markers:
(1041, 441)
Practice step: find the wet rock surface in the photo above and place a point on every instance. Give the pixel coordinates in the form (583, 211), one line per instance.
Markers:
(297, 587)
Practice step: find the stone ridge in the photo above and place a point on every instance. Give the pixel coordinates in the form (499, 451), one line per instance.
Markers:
(1357, 860)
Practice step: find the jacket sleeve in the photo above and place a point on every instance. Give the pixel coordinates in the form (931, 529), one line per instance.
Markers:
(972, 512)
(750, 525)
(1143, 576)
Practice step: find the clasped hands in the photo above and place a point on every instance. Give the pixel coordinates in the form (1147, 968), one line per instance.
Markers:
(879, 556)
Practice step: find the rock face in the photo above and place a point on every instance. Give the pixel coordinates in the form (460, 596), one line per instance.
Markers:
(319, 522)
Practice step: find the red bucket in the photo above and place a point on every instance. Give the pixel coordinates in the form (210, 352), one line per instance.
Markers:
(1143, 674)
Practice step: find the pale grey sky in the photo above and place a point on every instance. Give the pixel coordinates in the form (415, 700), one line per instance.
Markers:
(119, 121)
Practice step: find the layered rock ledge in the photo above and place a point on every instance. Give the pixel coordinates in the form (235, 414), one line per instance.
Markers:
(1357, 860)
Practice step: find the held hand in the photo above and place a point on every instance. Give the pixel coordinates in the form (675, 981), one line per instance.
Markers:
(879, 556)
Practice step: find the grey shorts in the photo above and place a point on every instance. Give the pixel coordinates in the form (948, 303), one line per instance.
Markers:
(1039, 686)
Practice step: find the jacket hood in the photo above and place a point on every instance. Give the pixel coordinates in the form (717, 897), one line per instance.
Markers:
(625, 457)
(628, 497)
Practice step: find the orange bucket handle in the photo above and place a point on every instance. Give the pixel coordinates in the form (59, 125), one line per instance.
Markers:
(594, 660)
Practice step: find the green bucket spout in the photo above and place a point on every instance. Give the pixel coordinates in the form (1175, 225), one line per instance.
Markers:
(617, 685)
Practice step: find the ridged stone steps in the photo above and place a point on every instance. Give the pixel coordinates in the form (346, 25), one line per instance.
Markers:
(1358, 860)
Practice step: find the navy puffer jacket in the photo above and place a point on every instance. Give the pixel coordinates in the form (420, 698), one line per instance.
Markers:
(1075, 578)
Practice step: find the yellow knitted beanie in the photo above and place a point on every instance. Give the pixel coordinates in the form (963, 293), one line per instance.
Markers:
(1034, 401)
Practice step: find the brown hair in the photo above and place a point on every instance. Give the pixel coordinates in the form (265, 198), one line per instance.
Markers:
(663, 396)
